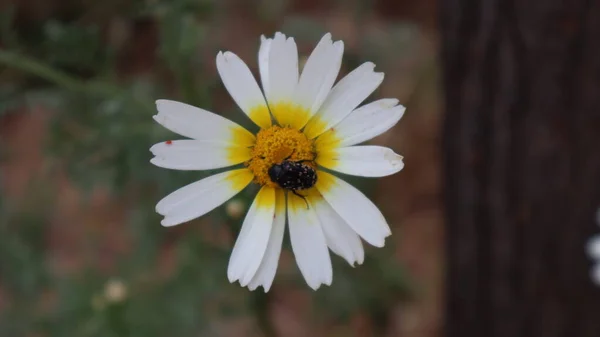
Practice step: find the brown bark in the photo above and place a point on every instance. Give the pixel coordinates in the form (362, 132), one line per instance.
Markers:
(522, 166)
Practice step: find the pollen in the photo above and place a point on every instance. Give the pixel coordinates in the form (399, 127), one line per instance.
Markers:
(274, 145)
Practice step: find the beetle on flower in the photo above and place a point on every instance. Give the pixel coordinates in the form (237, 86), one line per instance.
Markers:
(306, 123)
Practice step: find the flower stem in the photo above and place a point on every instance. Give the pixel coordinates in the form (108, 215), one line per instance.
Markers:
(39, 69)
(31, 66)
(261, 304)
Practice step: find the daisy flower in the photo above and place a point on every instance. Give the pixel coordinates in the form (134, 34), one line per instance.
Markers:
(306, 125)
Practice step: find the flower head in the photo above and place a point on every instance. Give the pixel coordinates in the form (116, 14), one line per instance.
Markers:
(306, 124)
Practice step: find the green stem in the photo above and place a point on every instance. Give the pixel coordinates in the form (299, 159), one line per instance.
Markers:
(31, 66)
(39, 69)
(262, 304)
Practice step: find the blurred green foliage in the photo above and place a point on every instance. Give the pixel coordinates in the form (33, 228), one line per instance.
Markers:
(100, 134)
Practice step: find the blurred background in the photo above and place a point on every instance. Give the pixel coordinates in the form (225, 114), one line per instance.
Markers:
(502, 105)
(82, 252)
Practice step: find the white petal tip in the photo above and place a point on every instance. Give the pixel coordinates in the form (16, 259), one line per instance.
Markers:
(161, 119)
(398, 111)
(395, 160)
(229, 55)
(387, 103)
(231, 276)
(315, 287)
(161, 103)
(351, 262)
(245, 280)
(379, 244)
(326, 39)
(220, 60)
(392, 102)
(166, 222)
(160, 209)
(255, 286)
(154, 147)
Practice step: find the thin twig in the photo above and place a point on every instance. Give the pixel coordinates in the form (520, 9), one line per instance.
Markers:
(47, 72)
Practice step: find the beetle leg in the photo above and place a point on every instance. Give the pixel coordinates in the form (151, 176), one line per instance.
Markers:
(291, 154)
(251, 159)
(300, 161)
(303, 198)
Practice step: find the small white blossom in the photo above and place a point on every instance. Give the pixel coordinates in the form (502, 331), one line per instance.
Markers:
(593, 250)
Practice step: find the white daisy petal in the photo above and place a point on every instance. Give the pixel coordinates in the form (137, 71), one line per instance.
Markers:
(340, 238)
(365, 160)
(192, 154)
(362, 124)
(283, 79)
(242, 87)
(593, 247)
(266, 272)
(200, 124)
(308, 243)
(252, 242)
(263, 63)
(201, 197)
(344, 97)
(319, 74)
(283, 68)
(355, 208)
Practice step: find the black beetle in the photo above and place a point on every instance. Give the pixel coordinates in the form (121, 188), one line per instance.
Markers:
(293, 176)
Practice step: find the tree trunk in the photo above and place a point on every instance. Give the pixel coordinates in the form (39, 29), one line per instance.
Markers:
(522, 166)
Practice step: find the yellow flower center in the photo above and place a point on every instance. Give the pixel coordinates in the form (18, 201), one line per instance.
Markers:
(275, 144)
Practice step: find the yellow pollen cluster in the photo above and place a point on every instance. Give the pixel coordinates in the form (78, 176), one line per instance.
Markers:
(273, 145)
